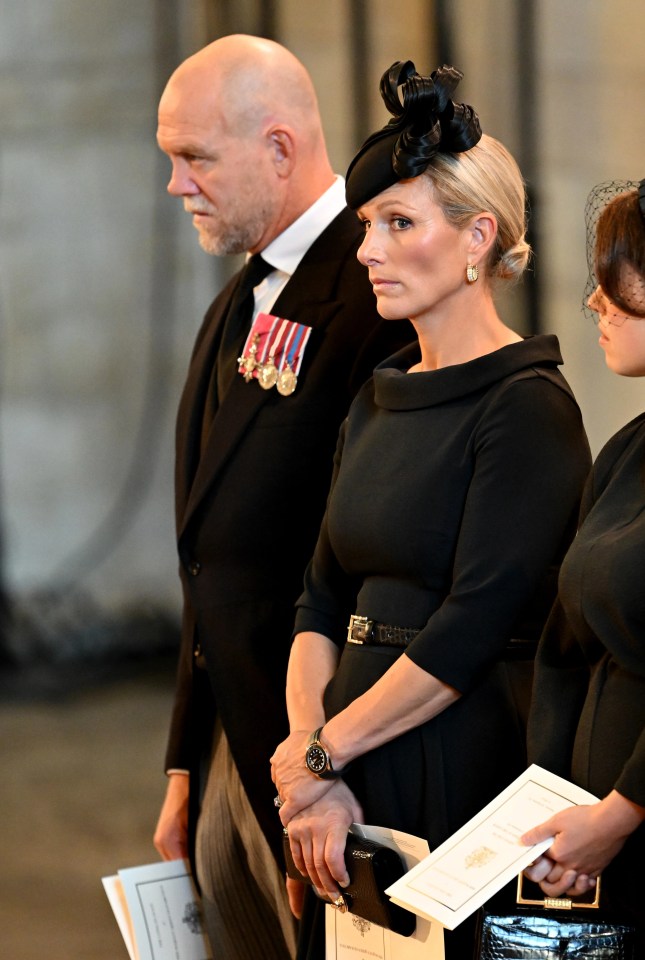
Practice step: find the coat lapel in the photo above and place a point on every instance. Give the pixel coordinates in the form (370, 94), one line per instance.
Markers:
(191, 405)
(318, 273)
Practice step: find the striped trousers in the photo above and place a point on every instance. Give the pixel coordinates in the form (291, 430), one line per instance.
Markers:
(244, 900)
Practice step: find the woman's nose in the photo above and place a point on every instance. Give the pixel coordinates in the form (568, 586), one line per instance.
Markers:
(594, 300)
(368, 253)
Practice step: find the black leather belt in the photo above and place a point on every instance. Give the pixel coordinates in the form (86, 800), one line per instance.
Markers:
(362, 630)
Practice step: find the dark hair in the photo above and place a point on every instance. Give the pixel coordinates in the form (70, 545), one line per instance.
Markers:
(620, 241)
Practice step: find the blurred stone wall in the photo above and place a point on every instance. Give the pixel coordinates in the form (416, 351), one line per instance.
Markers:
(103, 285)
(101, 292)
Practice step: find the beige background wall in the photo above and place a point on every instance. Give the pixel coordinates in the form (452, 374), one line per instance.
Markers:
(102, 283)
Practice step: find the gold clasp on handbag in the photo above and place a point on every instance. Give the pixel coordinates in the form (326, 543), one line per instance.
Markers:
(557, 903)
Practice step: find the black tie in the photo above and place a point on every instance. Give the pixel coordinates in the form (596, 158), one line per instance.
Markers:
(238, 321)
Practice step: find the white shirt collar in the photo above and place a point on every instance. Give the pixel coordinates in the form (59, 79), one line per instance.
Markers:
(287, 250)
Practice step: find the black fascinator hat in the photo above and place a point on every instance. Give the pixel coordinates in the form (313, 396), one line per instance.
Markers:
(425, 121)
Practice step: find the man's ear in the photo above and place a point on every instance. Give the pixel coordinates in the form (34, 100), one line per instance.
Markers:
(482, 234)
(282, 145)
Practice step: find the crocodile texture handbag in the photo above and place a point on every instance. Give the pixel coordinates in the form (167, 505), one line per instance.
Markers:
(554, 929)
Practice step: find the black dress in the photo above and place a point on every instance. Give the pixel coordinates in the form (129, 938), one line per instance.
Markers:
(455, 493)
(588, 719)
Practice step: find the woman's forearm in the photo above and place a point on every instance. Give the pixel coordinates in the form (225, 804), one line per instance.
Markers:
(620, 816)
(403, 698)
(312, 663)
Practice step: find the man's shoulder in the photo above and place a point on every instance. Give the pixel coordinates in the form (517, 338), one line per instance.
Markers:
(330, 266)
(343, 233)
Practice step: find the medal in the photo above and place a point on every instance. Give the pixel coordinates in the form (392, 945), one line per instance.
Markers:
(291, 359)
(273, 353)
(268, 374)
(248, 362)
(287, 381)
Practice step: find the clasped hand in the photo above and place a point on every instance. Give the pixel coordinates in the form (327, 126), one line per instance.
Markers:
(317, 815)
(297, 787)
(318, 834)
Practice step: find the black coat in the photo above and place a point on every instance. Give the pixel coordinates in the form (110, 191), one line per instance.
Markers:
(588, 719)
(248, 512)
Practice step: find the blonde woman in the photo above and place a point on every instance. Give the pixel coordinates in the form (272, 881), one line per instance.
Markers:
(456, 487)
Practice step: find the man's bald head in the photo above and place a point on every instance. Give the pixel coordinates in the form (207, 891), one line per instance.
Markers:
(253, 81)
(246, 109)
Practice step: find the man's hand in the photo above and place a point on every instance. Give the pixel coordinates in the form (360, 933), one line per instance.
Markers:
(171, 835)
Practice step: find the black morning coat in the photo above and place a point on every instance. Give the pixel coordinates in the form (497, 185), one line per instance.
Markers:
(248, 512)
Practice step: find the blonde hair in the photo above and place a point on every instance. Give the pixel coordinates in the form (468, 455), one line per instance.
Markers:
(485, 178)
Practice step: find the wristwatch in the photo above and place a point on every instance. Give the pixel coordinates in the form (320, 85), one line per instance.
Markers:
(317, 759)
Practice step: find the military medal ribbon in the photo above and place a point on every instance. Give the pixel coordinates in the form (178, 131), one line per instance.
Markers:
(273, 352)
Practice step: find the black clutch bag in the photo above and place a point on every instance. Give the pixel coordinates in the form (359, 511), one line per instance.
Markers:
(552, 929)
(372, 867)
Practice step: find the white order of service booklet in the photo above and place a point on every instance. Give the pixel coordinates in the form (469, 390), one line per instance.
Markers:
(485, 854)
(349, 937)
(158, 912)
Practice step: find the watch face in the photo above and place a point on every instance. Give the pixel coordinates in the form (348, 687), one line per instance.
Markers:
(316, 759)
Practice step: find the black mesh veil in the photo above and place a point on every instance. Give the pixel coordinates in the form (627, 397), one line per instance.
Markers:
(599, 197)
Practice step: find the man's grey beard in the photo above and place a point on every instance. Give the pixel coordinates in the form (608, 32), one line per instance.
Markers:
(235, 241)
(235, 237)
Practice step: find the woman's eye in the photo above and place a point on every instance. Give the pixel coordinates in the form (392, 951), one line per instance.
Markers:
(401, 223)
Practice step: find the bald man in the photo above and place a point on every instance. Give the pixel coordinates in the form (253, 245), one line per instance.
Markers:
(256, 431)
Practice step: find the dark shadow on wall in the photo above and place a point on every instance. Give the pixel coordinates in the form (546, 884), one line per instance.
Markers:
(61, 644)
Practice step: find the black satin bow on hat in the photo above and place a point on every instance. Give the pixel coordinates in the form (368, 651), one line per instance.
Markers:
(425, 121)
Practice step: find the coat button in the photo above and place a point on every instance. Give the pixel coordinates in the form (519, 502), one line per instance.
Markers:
(194, 567)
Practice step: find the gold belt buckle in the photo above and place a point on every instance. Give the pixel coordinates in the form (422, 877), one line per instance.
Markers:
(365, 628)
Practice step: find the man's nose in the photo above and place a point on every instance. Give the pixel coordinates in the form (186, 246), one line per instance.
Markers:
(181, 184)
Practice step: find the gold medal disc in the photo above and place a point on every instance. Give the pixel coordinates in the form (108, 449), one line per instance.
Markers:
(267, 375)
(287, 381)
